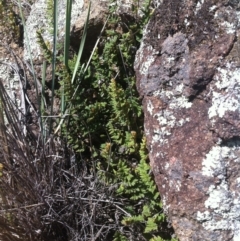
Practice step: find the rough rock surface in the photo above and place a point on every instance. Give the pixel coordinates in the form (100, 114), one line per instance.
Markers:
(188, 73)
(40, 19)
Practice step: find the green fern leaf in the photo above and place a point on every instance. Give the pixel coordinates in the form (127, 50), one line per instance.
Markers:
(150, 225)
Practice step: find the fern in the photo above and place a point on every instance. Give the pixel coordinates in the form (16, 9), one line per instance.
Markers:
(157, 238)
(105, 125)
(119, 237)
(45, 48)
(151, 225)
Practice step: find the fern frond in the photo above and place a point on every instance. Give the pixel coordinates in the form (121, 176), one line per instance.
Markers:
(45, 48)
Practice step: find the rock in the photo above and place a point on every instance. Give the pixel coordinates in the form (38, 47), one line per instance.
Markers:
(98, 16)
(188, 74)
(40, 19)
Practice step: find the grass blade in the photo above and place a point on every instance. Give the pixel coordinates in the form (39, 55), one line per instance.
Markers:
(28, 48)
(67, 32)
(81, 46)
(83, 71)
(55, 29)
(43, 101)
(66, 49)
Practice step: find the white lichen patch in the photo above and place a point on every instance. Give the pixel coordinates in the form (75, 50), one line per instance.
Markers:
(179, 88)
(150, 107)
(219, 198)
(158, 93)
(228, 27)
(170, 59)
(166, 121)
(175, 98)
(164, 199)
(198, 6)
(175, 184)
(159, 135)
(228, 97)
(238, 181)
(166, 117)
(212, 8)
(203, 216)
(223, 204)
(227, 78)
(39, 20)
(10, 78)
(12, 84)
(222, 104)
(181, 122)
(145, 55)
(157, 3)
(146, 131)
(180, 102)
(167, 165)
(186, 22)
(215, 162)
(149, 58)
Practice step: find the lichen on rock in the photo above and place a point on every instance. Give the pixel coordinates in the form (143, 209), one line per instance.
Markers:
(39, 20)
(188, 76)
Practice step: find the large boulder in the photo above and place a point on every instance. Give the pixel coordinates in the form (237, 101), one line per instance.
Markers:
(188, 74)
